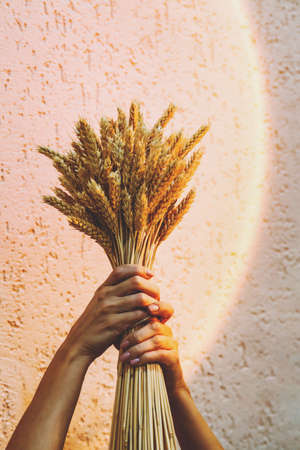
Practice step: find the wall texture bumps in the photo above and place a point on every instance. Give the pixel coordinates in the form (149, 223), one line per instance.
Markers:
(230, 269)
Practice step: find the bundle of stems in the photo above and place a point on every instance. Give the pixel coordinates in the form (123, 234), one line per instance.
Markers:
(121, 188)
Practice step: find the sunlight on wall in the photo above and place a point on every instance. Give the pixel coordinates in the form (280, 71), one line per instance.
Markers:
(231, 196)
(198, 54)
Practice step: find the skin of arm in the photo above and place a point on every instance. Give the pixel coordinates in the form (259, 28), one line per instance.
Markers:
(126, 297)
(45, 422)
(155, 343)
(119, 303)
(192, 430)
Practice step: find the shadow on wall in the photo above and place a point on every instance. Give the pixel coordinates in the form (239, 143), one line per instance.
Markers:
(247, 386)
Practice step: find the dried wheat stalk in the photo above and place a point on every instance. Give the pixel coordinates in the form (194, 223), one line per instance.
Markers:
(121, 189)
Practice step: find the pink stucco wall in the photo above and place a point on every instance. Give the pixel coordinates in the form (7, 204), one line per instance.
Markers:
(230, 269)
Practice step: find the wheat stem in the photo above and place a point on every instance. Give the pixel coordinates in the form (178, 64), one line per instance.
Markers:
(121, 188)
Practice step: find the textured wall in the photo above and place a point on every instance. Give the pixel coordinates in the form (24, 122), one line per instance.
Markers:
(229, 269)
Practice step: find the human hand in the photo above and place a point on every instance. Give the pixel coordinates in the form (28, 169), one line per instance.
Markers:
(123, 299)
(154, 343)
(161, 311)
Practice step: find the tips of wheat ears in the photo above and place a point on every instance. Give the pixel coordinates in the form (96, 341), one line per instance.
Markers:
(121, 186)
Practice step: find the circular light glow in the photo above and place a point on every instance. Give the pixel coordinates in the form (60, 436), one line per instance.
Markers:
(236, 263)
(223, 222)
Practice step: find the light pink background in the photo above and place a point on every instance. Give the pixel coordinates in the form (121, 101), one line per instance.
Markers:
(230, 268)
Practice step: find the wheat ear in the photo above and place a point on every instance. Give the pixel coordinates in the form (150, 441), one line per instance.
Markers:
(107, 130)
(126, 168)
(64, 207)
(126, 205)
(121, 121)
(104, 205)
(60, 193)
(141, 209)
(133, 115)
(166, 117)
(96, 233)
(174, 216)
(138, 168)
(193, 141)
(175, 189)
(114, 183)
(159, 125)
(87, 138)
(50, 153)
(174, 169)
(153, 153)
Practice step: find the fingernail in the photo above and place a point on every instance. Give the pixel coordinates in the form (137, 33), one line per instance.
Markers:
(135, 361)
(124, 356)
(149, 273)
(124, 344)
(153, 307)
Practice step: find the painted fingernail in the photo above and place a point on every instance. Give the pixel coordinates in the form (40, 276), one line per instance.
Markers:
(135, 361)
(124, 344)
(153, 307)
(149, 273)
(124, 356)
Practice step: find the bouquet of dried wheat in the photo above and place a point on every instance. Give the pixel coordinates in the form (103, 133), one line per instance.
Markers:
(121, 189)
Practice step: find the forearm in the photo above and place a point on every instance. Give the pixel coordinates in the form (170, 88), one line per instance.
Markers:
(191, 429)
(45, 423)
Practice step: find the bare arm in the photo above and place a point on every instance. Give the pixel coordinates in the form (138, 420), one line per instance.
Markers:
(111, 311)
(192, 431)
(154, 343)
(45, 423)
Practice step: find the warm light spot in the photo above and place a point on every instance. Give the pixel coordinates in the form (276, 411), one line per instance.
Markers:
(246, 229)
(221, 229)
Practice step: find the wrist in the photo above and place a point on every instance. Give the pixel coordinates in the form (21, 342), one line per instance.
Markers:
(174, 380)
(179, 395)
(177, 387)
(70, 352)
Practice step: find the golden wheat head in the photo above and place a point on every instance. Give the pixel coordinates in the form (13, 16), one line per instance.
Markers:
(126, 180)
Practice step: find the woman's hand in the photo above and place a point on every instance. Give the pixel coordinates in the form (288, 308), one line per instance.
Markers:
(126, 297)
(154, 343)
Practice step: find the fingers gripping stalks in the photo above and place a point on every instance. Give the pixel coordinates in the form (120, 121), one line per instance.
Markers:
(116, 307)
(122, 187)
(154, 343)
(149, 344)
(127, 298)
